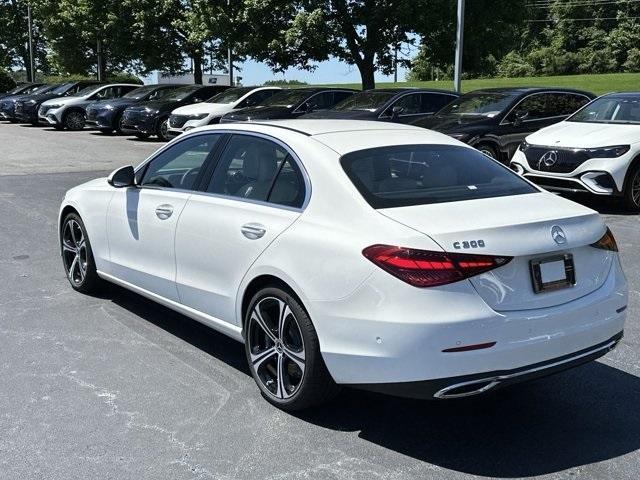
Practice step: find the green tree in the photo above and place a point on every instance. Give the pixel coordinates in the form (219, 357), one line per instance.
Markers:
(14, 37)
(359, 32)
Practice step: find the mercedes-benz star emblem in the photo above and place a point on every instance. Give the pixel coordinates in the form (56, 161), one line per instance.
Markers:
(558, 235)
(549, 158)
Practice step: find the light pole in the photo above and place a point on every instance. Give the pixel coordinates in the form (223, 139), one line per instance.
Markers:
(32, 62)
(230, 56)
(457, 78)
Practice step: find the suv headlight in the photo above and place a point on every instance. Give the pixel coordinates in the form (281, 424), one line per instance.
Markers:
(608, 152)
(198, 116)
(463, 137)
(55, 105)
(108, 107)
(524, 146)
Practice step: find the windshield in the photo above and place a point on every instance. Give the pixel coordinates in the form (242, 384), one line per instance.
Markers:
(404, 175)
(488, 104)
(365, 101)
(610, 109)
(287, 98)
(230, 96)
(42, 89)
(139, 93)
(181, 93)
(60, 89)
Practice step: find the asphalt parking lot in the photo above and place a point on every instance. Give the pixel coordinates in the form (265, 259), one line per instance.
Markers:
(118, 387)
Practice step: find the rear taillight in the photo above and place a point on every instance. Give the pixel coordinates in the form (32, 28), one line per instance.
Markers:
(423, 268)
(607, 242)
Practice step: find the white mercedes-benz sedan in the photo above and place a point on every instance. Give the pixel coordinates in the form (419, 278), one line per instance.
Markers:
(596, 150)
(375, 255)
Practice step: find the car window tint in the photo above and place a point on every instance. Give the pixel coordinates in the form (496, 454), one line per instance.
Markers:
(410, 104)
(247, 168)
(534, 107)
(421, 174)
(340, 96)
(565, 103)
(106, 93)
(179, 165)
(321, 101)
(288, 188)
(432, 102)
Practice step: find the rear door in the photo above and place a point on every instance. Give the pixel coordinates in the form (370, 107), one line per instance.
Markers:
(141, 220)
(256, 191)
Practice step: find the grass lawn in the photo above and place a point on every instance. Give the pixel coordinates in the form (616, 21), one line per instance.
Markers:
(598, 84)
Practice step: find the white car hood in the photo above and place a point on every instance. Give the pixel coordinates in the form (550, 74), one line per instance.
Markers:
(585, 135)
(63, 101)
(208, 108)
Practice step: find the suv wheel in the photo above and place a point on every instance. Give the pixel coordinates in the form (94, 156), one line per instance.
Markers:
(74, 120)
(632, 190)
(163, 128)
(283, 352)
(77, 256)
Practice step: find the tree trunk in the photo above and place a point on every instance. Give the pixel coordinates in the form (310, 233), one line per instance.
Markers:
(197, 68)
(367, 71)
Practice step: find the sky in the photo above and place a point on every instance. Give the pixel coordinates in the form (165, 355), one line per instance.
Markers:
(332, 71)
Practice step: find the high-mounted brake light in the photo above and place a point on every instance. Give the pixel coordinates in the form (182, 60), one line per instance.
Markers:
(423, 268)
(607, 242)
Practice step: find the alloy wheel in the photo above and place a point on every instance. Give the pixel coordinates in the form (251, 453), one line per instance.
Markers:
(488, 153)
(635, 189)
(75, 121)
(164, 128)
(276, 348)
(74, 252)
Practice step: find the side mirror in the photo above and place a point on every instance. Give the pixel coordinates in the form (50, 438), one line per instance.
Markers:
(122, 177)
(521, 115)
(396, 112)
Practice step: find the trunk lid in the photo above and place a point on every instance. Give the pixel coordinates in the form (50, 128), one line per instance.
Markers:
(521, 227)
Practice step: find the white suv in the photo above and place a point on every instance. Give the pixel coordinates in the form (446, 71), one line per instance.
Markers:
(69, 112)
(206, 113)
(596, 150)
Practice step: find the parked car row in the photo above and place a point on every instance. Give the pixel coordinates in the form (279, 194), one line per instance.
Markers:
(589, 151)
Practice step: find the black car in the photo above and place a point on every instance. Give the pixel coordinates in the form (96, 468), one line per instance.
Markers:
(496, 120)
(20, 89)
(27, 108)
(106, 115)
(403, 105)
(8, 103)
(290, 103)
(151, 118)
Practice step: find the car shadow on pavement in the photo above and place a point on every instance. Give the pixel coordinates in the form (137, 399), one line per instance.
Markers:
(582, 416)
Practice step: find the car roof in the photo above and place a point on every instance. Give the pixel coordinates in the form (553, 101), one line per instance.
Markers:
(342, 136)
(411, 89)
(527, 90)
(319, 89)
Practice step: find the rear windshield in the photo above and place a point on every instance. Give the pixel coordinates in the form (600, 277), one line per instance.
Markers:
(404, 175)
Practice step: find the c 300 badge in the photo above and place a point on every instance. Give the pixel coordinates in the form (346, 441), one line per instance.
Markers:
(468, 244)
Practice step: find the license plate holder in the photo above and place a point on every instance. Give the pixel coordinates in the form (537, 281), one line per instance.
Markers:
(553, 273)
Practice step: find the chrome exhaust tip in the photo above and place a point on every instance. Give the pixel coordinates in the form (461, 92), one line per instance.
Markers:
(467, 389)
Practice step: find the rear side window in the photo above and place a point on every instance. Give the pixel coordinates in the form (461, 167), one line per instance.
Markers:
(406, 175)
(432, 102)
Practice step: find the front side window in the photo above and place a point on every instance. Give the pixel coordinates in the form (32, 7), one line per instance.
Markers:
(410, 105)
(405, 175)
(257, 98)
(258, 169)
(179, 165)
(432, 102)
(623, 109)
(563, 104)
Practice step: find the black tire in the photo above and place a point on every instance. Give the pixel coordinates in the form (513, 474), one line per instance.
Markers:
(142, 136)
(489, 150)
(58, 126)
(632, 190)
(118, 123)
(303, 387)
(74, 120)
(77, 256)
(105, 131)
(162, 129)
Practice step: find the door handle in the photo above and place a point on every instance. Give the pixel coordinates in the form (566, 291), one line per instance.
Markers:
(164, 211)
(253, 231)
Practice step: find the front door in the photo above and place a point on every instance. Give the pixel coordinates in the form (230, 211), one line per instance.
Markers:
(141, 220)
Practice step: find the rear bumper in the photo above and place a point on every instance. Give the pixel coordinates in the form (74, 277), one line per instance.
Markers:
(470, 385)
(388, 333)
